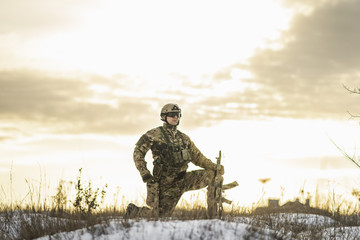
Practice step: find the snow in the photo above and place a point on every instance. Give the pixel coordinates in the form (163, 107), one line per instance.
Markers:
(271, 226)
(141, 230)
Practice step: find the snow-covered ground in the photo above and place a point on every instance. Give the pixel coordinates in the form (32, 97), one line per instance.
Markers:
(275, 226)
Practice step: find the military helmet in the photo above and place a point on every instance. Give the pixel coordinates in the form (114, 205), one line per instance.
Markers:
(170, 107)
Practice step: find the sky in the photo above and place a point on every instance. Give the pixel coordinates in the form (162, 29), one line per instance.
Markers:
(261, 80)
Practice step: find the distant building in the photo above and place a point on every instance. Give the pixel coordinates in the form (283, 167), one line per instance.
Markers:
(289, 207)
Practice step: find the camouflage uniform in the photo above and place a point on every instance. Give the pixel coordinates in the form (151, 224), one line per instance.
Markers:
(172, 151)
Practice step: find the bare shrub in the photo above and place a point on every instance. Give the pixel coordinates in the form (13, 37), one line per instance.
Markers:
(86, 197)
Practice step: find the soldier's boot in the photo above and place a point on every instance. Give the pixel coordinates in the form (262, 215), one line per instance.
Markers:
(144, 212)
(131, 211)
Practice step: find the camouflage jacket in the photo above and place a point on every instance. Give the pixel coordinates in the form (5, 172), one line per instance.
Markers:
(171, 150)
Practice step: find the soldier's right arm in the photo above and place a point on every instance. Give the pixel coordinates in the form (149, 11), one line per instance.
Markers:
(141, 148)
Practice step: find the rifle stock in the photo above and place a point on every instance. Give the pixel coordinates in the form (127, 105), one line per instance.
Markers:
(230, 185)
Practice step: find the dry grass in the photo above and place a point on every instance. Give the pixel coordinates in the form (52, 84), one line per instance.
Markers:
(39, 215)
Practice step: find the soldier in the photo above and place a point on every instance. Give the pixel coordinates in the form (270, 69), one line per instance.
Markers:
(172, 151)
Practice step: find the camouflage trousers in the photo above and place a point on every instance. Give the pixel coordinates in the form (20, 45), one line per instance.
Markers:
(164, 195)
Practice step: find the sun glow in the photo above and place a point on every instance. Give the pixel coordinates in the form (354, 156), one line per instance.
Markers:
(186, 37)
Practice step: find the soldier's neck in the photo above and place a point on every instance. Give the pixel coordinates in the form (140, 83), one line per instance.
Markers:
(169, 127)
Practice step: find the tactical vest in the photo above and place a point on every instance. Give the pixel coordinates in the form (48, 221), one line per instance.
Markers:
(172, 158)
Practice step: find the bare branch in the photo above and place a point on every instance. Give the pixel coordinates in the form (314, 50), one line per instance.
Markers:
(352, 159)
(355, 90)
(352, 115)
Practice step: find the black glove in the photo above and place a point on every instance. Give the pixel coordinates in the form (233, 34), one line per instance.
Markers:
(147, 178)
(222, 170)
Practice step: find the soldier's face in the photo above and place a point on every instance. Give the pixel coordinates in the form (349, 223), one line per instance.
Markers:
(173, 120)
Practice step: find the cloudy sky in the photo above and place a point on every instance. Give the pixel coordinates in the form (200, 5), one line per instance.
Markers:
(81, 81)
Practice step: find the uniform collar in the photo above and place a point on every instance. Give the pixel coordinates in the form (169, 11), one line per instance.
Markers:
(170, 128)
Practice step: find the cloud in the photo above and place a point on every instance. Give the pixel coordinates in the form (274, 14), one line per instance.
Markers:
(68, 105)
(35, 102)
(301, 79)
(307, 6)
(304, 78)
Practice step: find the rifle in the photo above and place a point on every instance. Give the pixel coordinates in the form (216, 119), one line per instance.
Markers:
(217, 208)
